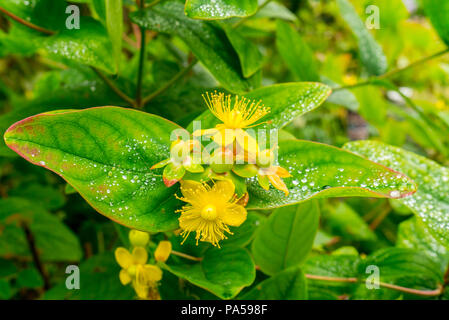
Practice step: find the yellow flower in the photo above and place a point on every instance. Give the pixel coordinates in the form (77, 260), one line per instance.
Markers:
(210, 210)
(273, 174)
(144, 277)
(163, 251)
(243, 114)
(267, 172)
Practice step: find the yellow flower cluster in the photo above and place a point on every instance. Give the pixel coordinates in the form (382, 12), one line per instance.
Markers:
(215, 189)
(136, 270)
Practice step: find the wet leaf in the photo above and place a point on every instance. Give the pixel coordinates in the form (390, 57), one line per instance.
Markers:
(323, 171)
(111, 167)
(414, 234)
(216, 54)
(430, 202)
(220, 9)
(286, 101)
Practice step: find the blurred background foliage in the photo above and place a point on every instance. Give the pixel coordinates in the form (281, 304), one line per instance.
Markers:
(292, 40)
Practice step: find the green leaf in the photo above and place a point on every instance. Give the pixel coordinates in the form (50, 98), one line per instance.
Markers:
(59, 89)
(7, 268)
(47, 14)
(286, 101)
(5, 290)
(206, 40)
(414, 234)
(111, 167)
(343, 221)
(370, 51)
(29, 278)
(114, 26)
(289, 284)
(88, 45)
(245, 233)
(430, 203)
(43, 195)
(250, 57)
(296, 53)
(286, 238)
(54, 240)
(99, 280)
(276, 10)
(404, 267)
(220, 9)
(333, 266)
(224, 272)
(323, 171)
(438, 11)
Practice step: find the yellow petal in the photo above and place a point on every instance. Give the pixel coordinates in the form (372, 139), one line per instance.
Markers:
(205, 132)
(141, 291)
(278, 183)
(148, 275)
(192, 189)
(224, 137)
(163, 251)
(123, 257)
(124, 276)
(140, 255)
(224, 189)
(234, 215)
(281, 172)
(247, 142)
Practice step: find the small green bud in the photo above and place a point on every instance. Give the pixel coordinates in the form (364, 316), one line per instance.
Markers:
(265, 158)
(139, 238)
(222, 161)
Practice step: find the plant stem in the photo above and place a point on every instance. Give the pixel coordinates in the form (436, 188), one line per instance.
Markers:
(26, 23)
(240, 22)
(169, 83)
(186, 256)
(427, 293)
(35, 254)
(139, 103)
(114, 88)
(394, 71)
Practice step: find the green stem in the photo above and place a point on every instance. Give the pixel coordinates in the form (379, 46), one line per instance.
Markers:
(26, 23)
(240, 22)
(169, 83)
(425, 293)
(186, 256)
(114, 88)
(35, 254)
(139, 103)
(395, 71)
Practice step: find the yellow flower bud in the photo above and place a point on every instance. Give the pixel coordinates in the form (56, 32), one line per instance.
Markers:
(163, 251)
(138, 238)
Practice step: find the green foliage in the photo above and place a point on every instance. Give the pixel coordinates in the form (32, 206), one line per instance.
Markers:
(114, 178)
(286, 238)
(429, 202)
(361, 118)
(221, 9)
(371, 53)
